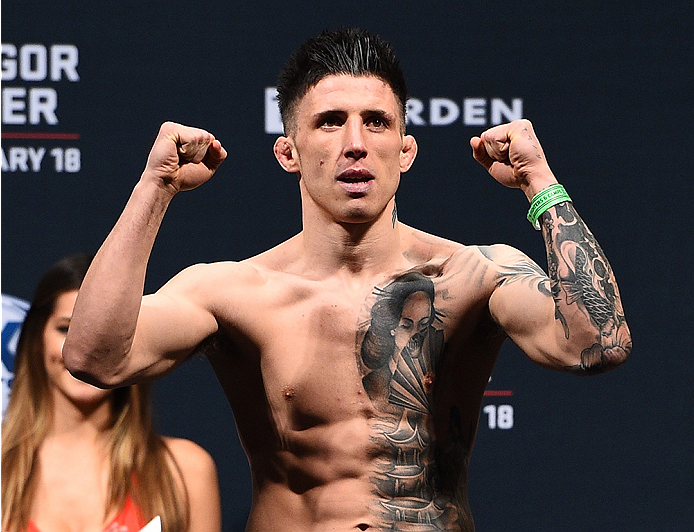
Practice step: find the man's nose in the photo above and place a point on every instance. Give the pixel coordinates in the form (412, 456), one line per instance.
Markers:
(354, 139)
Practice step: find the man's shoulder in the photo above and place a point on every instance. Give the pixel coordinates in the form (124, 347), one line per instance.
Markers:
(426, 248)
(501, 253)
(212, 271)
(445, 244)
(420, 239)
(447, 257)
(206, 281)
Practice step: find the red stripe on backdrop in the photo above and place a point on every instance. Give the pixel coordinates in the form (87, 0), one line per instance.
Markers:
(41, 136)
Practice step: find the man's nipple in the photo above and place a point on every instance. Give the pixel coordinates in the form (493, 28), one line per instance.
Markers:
(288, 393)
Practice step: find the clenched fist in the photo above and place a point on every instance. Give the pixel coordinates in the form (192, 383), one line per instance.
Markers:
(183, 157)
(512, 154)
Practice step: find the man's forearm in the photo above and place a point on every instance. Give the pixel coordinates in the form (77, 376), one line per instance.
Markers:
(584, 289)
(105, 315)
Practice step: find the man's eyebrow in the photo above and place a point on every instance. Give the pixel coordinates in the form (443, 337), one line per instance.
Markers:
(320, 115)
(378, 112)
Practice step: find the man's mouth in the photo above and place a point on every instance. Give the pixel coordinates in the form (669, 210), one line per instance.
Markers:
(355, 181)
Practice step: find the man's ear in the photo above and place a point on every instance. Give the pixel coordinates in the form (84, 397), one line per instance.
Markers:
(286, 154)
(407, 153)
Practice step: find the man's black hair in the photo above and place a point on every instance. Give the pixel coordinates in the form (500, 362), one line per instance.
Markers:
(345, 51)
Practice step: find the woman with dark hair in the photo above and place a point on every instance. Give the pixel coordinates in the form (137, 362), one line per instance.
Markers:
(76, 457)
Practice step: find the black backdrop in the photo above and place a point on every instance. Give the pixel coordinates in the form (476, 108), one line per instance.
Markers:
(609, 90)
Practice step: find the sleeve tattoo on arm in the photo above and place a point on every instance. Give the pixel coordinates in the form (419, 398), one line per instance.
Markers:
(579, 274)
(524, 270)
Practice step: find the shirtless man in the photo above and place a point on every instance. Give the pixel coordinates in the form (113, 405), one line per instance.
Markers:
(355, 354)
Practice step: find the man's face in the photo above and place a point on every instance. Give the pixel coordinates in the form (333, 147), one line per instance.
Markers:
(413, 323)
(347, 148)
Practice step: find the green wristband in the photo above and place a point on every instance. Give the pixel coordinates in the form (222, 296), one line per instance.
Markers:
(543, 200)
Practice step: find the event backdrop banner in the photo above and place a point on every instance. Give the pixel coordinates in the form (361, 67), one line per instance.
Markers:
(609, 91)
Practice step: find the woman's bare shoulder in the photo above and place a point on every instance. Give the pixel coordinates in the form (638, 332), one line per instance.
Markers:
(198, 473)
(191, 458)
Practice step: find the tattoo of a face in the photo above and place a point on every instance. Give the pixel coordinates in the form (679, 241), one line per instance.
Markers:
(400, 354)
(581, 275)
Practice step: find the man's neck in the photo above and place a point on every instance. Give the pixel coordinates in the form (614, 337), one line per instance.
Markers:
(355, 249)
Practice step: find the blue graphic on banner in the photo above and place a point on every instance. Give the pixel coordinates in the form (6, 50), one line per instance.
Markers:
(13, 312)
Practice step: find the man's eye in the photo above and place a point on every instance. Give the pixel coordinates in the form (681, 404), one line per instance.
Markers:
(377, 123)
(331, 122)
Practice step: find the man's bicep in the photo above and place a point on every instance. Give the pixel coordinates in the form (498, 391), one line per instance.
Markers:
(522, 304)
(172, 323)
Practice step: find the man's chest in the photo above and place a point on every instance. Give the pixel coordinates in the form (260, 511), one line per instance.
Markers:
(307, 357)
